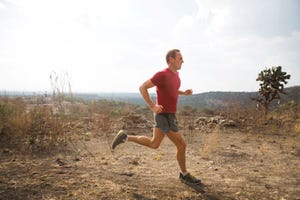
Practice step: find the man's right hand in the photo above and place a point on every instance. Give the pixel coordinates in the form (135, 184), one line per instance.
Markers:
(157, 108)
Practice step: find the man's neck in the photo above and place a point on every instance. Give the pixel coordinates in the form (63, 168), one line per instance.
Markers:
(172, 69)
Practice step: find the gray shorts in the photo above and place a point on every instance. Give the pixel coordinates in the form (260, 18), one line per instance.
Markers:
(166, 122)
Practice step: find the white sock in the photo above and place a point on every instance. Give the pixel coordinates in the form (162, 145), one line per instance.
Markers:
(184, 174)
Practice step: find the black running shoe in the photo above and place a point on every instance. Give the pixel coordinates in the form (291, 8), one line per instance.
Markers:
(119, 138)
(189, 179)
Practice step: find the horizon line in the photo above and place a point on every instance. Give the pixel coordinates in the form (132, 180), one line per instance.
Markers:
(112, 92)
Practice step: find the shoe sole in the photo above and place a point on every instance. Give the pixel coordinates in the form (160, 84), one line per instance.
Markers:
(188, 182)
(118, 139)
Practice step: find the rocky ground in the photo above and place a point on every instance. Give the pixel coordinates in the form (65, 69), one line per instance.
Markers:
(232, 163)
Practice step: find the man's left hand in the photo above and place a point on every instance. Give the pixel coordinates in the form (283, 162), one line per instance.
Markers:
(188, 92)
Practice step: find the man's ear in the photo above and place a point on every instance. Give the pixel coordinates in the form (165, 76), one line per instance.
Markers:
(171, 59)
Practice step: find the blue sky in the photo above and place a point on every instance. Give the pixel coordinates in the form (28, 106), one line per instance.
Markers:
(115, 45)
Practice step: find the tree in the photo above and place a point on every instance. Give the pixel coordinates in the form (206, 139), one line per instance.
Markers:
(272, 84)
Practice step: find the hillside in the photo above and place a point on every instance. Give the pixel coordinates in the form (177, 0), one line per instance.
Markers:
(202, 100)
(210, 100)
(223, 99)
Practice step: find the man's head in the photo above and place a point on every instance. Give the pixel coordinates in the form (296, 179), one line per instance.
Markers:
(174, 59)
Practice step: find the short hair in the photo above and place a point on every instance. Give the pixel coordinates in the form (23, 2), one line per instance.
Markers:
(171, 53)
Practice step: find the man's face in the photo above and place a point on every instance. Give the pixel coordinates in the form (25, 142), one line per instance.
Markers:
(177, 61)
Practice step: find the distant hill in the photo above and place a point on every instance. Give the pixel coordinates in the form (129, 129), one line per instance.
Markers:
(223, 99)
(206, 100)
(214, 100)
(292, 94)
(210, 100)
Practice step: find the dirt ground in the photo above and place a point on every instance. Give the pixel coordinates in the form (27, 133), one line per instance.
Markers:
(231, 163)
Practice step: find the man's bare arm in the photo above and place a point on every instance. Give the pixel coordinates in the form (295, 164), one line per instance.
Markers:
(145, 94)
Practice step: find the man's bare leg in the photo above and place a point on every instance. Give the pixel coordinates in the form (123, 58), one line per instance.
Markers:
(180, 143)
(153, 142)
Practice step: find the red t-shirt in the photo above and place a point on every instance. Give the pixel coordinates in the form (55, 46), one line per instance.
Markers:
(167, 86)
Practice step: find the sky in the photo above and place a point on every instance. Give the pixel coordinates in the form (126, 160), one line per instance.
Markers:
(116, 45)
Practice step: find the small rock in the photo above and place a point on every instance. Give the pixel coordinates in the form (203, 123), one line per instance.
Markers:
(127, 174)
(60, 162)
(268, 186)
(6, 150)
(134, 162)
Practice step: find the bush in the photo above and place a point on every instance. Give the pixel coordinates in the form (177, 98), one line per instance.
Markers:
(187, 110)
(207, 111)
(13, 116)
(45, 127)
(35, 124)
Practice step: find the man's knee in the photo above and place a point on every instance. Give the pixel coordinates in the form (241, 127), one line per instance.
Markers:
(182, 146)
(154, 145)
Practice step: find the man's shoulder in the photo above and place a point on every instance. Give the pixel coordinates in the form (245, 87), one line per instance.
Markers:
(159, 76)
(165, 70)
(161, 72)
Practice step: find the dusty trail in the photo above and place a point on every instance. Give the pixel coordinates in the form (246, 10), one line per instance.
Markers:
(232, 165)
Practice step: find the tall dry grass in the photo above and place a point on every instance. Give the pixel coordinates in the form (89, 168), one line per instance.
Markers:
(41, 124)
(288, 116)
(245, 115)
(283, 117)
(13, 117)
(36, 125)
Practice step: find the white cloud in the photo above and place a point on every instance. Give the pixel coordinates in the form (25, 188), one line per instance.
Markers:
(218, 47)
(102, 43)
(2, 6)
(203, 10)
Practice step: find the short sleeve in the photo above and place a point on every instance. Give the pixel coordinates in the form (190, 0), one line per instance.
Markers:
(158, 78)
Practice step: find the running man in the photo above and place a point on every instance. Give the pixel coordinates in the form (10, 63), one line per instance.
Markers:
(167, 84)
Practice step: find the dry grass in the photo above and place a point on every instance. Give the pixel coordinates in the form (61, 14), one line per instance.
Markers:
(38, 126)
(297, 126)
(42, 123)
(245, 116)
(134, 172)
(13, 117)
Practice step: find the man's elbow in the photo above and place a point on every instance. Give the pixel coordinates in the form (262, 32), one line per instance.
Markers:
(142, 88)
(145, 86)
